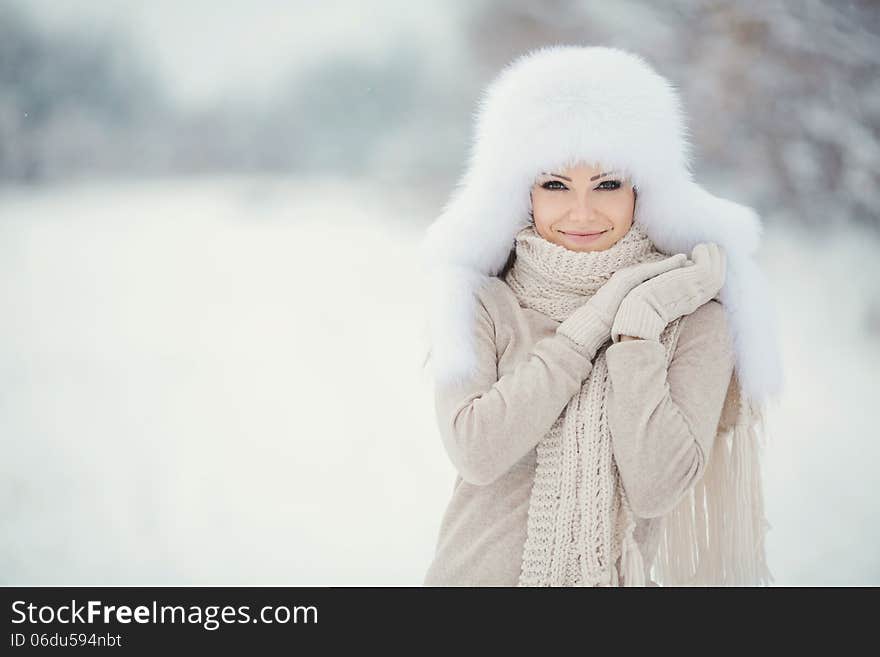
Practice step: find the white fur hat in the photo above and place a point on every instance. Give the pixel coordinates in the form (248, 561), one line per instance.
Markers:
(559, 105)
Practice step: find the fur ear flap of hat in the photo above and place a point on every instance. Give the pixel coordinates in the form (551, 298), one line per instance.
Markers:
(557, 106)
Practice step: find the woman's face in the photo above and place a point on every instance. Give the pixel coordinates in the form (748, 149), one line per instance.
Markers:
(582, 208)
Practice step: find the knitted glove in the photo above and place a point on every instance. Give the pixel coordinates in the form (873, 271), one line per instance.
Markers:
(646, 311)
(589, 326)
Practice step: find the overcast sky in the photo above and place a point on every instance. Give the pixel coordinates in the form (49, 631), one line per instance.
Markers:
(206, 49)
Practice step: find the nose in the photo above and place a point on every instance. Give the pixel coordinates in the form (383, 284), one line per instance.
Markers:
(582, 210)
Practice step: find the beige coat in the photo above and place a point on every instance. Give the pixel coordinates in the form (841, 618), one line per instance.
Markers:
(663, 425)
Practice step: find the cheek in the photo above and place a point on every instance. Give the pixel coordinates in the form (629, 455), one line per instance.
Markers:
(548, 204)
(616, 207)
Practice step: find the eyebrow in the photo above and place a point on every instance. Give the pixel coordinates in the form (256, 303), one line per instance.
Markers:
(601, 175)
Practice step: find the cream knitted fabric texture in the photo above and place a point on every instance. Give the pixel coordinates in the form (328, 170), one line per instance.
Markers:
(579, 519)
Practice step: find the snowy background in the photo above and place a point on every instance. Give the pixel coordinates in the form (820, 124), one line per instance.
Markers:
(210, 364)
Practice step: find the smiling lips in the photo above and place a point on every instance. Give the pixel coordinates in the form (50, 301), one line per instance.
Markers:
(581, 234)
(583, 237)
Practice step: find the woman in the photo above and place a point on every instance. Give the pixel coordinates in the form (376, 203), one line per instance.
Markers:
(598, 392)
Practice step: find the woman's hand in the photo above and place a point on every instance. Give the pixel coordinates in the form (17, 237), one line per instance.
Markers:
(651, 306)
(590, 325)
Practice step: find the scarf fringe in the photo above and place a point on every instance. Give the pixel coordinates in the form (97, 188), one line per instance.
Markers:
(632, 565)
(716, 535)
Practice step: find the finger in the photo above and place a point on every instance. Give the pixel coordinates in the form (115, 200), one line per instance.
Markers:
(716, 267)
(710, 261)
(661, 266)
(700, 254)
(713, 261)
(637, 273)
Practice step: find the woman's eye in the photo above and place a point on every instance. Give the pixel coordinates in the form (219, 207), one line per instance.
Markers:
(615, 184)
(547, 184)
(605, 184)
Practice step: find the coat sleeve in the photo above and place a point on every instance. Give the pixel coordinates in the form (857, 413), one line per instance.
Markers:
(488, 423)
(664, 423)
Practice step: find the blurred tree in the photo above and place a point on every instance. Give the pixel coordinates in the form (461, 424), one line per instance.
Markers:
(68, 102)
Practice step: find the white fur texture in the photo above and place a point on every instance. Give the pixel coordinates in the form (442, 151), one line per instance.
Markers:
(559, 105)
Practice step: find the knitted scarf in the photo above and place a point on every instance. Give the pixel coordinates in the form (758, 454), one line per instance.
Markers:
(581, 530)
